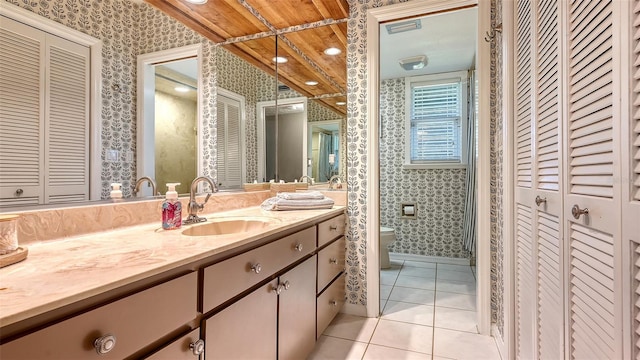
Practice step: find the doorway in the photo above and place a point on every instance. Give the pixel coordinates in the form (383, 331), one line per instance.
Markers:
(404, 11)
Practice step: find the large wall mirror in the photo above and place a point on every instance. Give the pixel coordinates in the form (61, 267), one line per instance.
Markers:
(237, 64)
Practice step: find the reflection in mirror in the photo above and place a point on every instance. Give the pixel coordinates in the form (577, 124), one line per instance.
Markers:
(324, 152)
(169, 109)
(175, 125)
(282, 140)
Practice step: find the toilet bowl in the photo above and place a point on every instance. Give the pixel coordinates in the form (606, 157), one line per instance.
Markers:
(387, 236)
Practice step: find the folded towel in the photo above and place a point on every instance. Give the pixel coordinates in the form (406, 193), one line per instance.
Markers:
(308, 195)
(276, 203)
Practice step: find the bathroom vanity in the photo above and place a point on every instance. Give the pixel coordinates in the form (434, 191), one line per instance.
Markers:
(140, 292)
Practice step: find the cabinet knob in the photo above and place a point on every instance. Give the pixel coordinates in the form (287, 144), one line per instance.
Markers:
(256, 268)
(286, 285)
(333, 303)
(540, 200)
(298, 247)
(19, 192)
(278, 289)
(576, 211)
(333, 227)
(104, 344)
(197, 347)
(333, 261)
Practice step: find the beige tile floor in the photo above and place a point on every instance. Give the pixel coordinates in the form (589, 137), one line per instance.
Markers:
(428, 313)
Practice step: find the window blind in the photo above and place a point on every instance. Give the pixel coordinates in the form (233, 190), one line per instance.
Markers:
(436, 110)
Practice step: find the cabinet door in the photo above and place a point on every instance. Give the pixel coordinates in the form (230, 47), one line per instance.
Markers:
(246, 329)
(297, 312)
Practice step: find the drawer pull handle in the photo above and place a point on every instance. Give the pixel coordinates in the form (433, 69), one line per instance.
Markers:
(298, 247)
(197, 347)
(333, 303)
(256, 268)
(333, 227)
(286, 285)
(540, 200)
(19, 192)
(104, 344)
(333, 261)
(576, 211)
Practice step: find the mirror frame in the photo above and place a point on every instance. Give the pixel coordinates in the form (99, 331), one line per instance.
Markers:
(375, 16)
(260, 119)
(145, 132)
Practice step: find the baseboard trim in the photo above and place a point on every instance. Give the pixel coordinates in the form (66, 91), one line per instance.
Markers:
(438, 259)
(502, 349)
(355, 309)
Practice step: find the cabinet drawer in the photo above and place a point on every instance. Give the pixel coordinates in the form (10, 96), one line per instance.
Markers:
(331, 229)
(135, 321)
(228, 278)
(329, 304)
(330, 262)
(179, 349)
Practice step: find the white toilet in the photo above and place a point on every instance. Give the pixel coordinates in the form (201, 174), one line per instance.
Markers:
(387, 236)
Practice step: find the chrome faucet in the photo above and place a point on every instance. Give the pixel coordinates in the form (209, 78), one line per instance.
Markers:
(331, 181)
(305, 177)
(142, 180)
(194, 207)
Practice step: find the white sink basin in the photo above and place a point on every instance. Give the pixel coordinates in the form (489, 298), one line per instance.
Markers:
(226, 226)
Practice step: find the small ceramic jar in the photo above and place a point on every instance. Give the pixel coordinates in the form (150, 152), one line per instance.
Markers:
(8, 233)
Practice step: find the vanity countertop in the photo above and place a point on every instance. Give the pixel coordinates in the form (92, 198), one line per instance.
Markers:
(62, 272)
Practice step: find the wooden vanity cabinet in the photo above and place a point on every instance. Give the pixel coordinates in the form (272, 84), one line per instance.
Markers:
(275, 321)
(124, 326)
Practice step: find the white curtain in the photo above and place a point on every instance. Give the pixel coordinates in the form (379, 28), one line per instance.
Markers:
(469, 226)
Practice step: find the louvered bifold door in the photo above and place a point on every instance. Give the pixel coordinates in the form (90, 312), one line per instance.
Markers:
(546, 183)
(593, 172)
(22, 79)
(525, 223)
(67, 121)
(229, 143)
(631, 193)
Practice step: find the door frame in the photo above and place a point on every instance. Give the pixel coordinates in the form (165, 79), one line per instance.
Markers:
(404, 10)
(145, 143)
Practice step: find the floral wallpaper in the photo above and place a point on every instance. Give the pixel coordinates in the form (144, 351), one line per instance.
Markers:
(497, 186)
(439, 194)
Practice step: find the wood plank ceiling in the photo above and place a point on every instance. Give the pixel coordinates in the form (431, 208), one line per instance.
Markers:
(305, 28)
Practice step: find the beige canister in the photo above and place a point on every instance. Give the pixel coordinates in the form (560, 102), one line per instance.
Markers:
(8, 233)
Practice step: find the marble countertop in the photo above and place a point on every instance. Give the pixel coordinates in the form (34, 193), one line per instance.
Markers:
(61, 272)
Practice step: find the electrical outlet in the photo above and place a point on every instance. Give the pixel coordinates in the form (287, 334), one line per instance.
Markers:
(112, 155)
(128, 156)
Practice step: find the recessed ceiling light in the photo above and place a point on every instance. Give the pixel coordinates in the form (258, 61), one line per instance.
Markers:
(340, 103)
(414, 62)
(311, 83)
(198, 2)
(332, 51)
(280, 59)
(181, 89)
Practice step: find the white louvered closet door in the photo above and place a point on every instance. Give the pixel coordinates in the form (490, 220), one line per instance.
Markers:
(525, 271)
(539, 250)
(592, 142)
(229, 144)
(631, 193)
(22, 106)
(67, 121)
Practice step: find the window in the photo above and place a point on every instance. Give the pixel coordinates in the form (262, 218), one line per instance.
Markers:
(436, 119)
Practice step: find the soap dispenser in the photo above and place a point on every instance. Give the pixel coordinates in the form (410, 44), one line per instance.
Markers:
(171, 209)
(116, 193)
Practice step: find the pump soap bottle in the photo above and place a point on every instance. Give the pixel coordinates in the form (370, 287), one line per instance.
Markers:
(171, 209)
